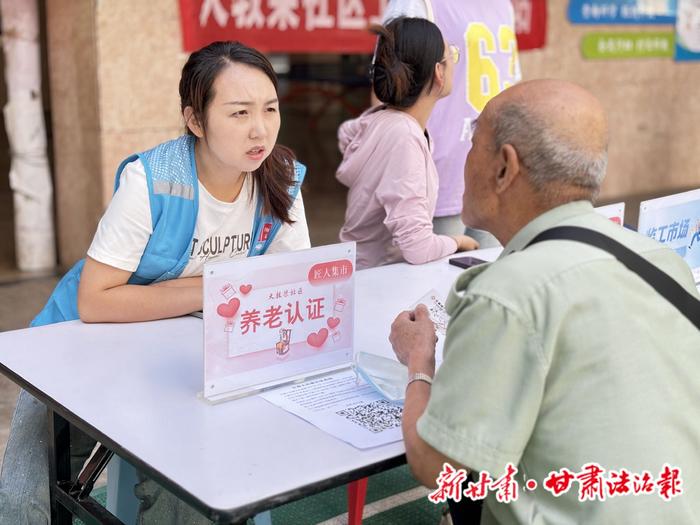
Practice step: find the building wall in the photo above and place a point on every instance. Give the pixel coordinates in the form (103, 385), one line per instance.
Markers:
(75, 122)
(653, 107)
(115, 71)
(140, 58)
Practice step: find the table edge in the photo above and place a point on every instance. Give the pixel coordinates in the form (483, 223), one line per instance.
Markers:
(234, 514)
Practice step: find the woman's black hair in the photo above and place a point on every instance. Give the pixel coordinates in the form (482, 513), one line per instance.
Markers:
(275, 175)
(404, 62)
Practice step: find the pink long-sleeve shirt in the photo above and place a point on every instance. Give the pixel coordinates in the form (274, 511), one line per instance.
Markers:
(388, 167)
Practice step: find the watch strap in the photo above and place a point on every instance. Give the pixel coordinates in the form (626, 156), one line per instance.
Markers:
(419, 376)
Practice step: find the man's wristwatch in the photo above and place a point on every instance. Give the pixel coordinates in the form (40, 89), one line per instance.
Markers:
(419, 376)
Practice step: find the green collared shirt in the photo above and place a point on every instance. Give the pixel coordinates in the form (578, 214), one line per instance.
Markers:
(558, 356)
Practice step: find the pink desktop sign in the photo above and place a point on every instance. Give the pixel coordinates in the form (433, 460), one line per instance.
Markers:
(277, 318)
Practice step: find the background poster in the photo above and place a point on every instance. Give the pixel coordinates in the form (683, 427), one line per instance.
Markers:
(688, 30)
(530, 23)
(622, 11)
(315, 26)
(625, 44)
(282, 26)
(675, 222)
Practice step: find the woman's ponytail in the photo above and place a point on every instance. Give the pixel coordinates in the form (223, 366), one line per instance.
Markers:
(404, 62)
(391, 77)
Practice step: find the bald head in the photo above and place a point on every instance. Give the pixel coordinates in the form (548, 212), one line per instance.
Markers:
(567, 110)
(559, 131)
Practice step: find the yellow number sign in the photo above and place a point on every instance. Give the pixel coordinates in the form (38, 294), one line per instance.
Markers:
(483, 77)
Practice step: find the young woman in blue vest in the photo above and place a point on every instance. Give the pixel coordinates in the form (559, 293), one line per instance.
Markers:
(224, 190)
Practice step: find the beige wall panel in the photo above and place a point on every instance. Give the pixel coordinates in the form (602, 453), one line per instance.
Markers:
(639, 141)
(75, 124)
(653, 105)
(140, 58)
(684, 123)
(118, 145)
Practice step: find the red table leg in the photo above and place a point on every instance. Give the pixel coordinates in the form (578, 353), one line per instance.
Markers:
(357, 490)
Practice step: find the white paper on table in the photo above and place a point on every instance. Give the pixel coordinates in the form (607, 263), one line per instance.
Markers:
(338, 405)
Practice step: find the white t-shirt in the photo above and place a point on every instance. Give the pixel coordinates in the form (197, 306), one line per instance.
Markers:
(222, 231)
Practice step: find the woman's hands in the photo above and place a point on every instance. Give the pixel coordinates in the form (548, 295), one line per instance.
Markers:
(465, 243)
(413, 339)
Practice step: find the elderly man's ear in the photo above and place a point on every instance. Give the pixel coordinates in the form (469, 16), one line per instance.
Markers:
(509, 168)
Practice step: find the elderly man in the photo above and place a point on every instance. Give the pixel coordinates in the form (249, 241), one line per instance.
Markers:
(557, 356)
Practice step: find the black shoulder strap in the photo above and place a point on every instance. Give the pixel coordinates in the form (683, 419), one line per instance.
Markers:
(674, 293)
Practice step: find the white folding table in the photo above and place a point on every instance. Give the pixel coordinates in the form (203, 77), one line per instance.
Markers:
(133, 387)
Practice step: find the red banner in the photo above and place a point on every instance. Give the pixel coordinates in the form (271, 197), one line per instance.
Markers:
(283, 26)
(315, 26)
(530, 23)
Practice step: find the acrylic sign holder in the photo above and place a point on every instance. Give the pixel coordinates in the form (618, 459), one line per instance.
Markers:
(277, 319)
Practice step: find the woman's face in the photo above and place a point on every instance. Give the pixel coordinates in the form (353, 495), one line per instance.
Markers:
(243, 118)
(448, 62)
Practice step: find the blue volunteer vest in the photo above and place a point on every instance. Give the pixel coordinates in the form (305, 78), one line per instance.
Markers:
(173, 193)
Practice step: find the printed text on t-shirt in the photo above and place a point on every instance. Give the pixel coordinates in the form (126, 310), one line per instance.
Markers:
(220, 245)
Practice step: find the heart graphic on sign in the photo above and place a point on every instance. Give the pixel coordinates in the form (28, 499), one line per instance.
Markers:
(316, 339)
(245, 288)
(333, 322)
(229, 309)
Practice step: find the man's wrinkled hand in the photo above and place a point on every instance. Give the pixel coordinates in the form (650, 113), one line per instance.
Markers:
(413, 339)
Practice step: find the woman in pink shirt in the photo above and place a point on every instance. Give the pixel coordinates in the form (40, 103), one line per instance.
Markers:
(387, 162)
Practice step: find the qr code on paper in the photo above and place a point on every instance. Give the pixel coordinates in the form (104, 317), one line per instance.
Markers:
(376, 416)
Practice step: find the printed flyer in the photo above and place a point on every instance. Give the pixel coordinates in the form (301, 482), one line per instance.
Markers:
(675, 221)
(688, 30)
